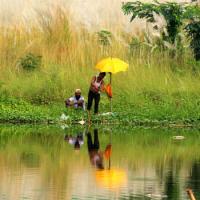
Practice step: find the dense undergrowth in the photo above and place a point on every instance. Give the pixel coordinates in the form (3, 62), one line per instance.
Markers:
(149, 112)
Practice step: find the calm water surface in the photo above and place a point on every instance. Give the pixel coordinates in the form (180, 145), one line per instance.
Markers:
(49, 163)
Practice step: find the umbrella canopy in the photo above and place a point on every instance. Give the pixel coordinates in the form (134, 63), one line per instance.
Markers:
(112, 65)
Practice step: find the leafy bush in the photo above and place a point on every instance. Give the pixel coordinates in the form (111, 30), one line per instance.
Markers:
(172, 12)
(193, 30)
(176, 15)
(104, 37)
(30, 61)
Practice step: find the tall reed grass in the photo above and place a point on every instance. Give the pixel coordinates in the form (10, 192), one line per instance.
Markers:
(69, 54)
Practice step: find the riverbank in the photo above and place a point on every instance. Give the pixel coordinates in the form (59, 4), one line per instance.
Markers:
(42, 66)
(182, 113)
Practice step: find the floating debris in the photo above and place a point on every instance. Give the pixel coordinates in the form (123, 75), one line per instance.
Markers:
(178, 137)
(156, 196)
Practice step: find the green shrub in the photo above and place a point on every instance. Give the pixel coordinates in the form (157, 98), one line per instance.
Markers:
(104, 37)
(30, 61)
(193, 32)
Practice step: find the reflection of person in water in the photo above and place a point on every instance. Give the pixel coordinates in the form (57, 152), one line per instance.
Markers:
(76, 141)
(96, 156)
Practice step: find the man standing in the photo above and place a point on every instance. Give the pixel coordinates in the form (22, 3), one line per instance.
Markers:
(96, 86)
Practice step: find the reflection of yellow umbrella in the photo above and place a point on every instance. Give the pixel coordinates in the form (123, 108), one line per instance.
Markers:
(111, 179)
(112, 65)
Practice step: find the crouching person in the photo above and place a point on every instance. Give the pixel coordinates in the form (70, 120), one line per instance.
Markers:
(76, 101)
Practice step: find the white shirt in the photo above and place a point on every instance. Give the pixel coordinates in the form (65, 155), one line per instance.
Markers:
(73, 99)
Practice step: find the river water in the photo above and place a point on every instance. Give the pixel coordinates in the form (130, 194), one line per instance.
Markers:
(50, 163)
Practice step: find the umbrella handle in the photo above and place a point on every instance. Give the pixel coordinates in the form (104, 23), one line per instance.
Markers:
(110, 104)
(110, 98)
(109, 162)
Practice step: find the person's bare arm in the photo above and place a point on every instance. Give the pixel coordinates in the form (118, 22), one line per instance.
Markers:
(93, 80)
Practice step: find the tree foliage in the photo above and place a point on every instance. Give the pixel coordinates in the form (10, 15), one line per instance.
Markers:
(193, 29)
(193, 32)
(141, 10)
(172, 12)
(177, 16)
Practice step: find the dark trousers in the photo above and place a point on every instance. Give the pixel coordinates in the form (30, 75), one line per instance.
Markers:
(93, 146)
(96, 97)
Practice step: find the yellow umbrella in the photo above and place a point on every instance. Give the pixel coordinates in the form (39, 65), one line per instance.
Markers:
(112, 65)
